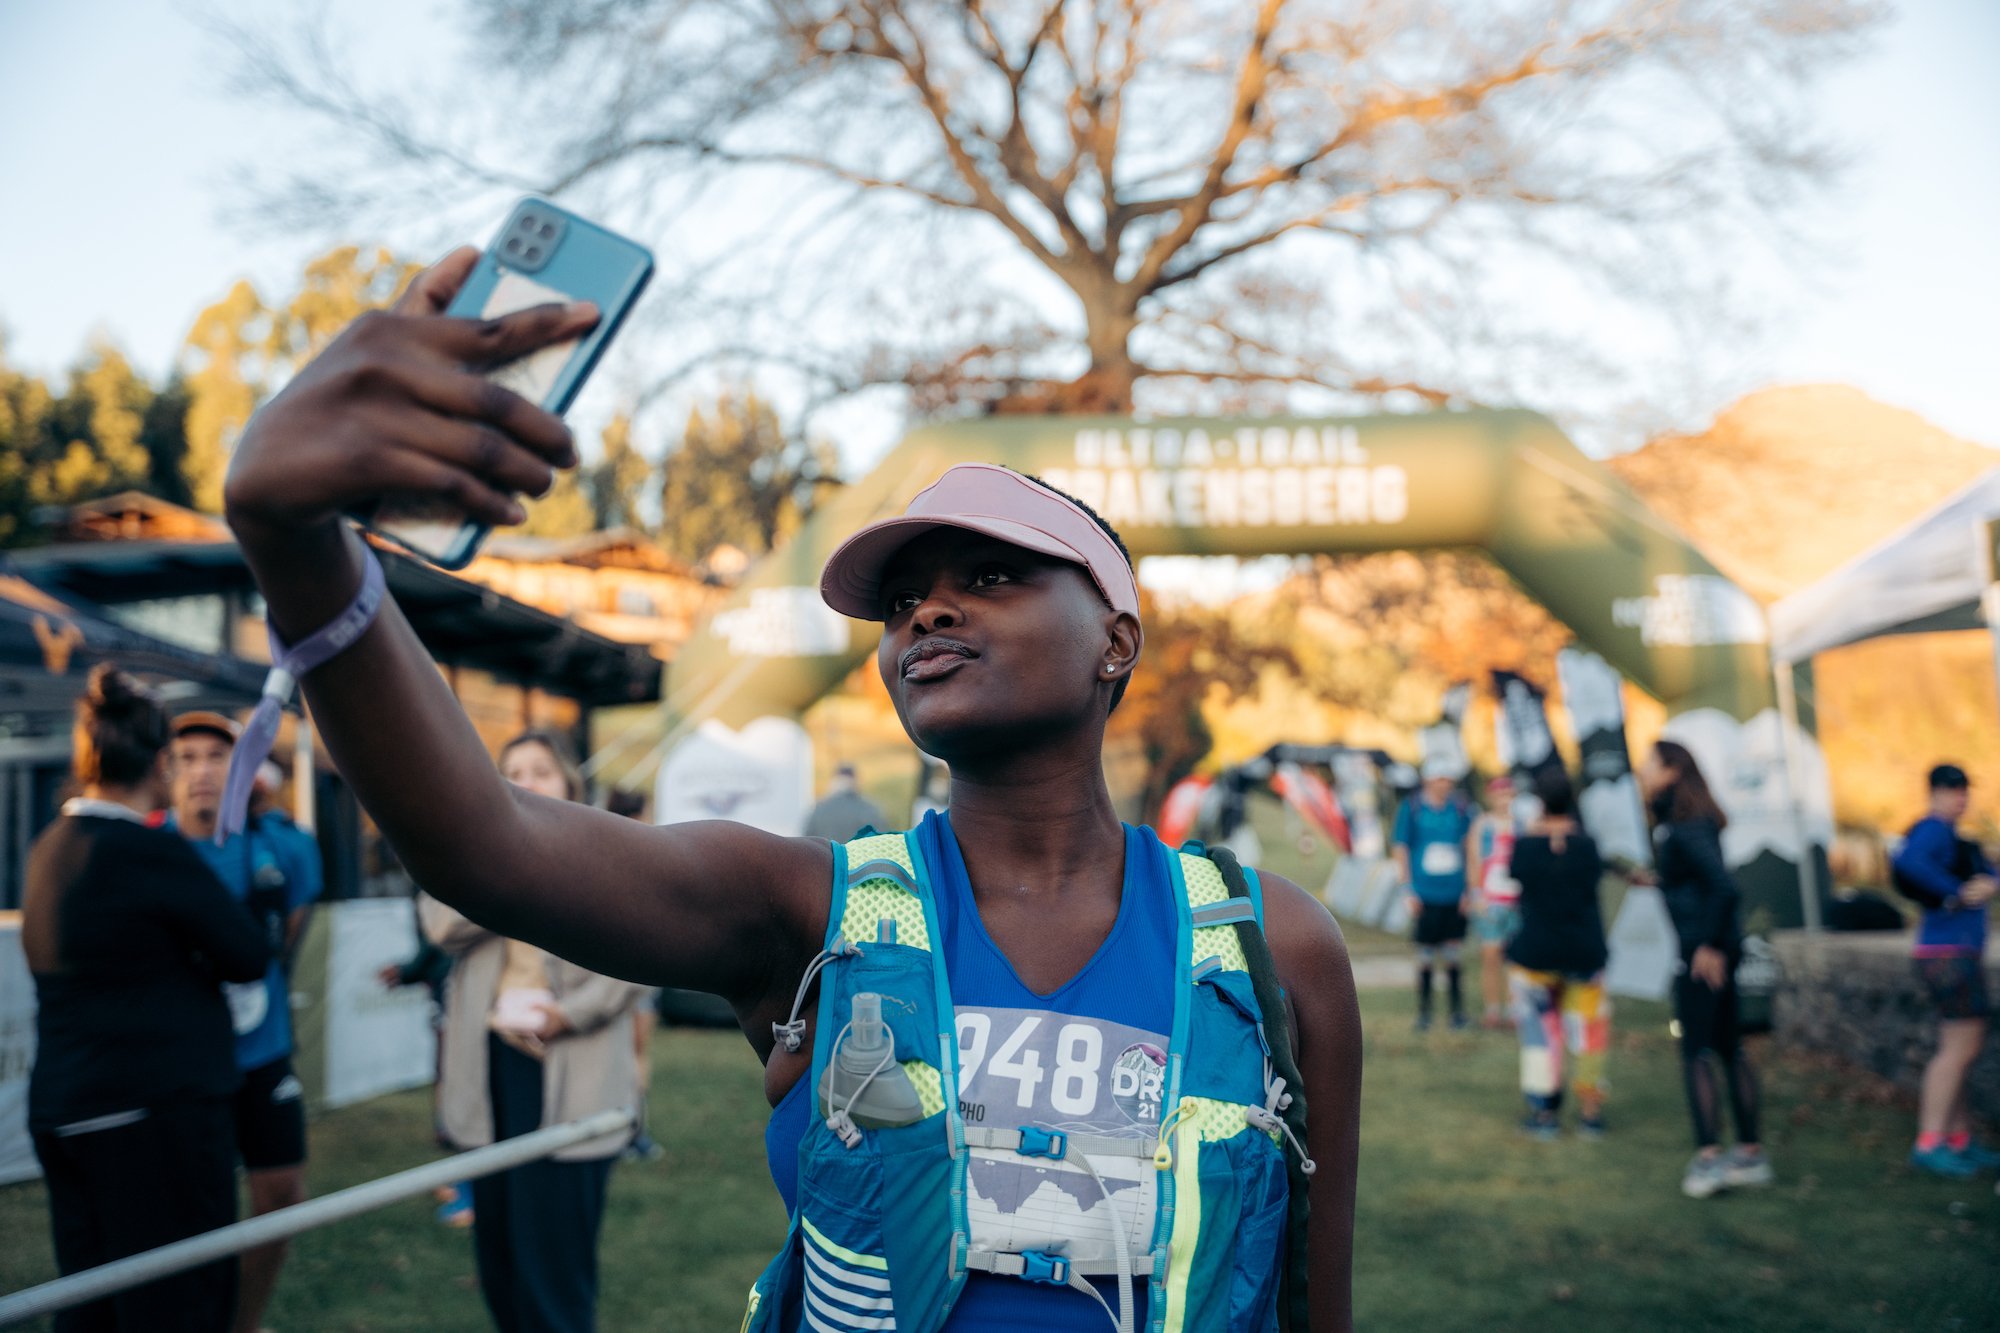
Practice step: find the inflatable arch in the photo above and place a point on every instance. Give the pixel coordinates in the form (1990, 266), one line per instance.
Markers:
(1507, 483)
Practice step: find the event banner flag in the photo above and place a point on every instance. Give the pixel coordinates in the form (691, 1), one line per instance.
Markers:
(1521, 729)
(1444, 740)
(1608, 795)
(1358, 779)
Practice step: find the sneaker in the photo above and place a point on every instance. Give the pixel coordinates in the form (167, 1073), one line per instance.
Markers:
(1541, 1125)
(457, 1213)
(1459, 1023)
(1980, 1155)
(1591, 1127)
(1705, 1176)
(1747, 1170)
(1423, 1022)
(1942, 1161)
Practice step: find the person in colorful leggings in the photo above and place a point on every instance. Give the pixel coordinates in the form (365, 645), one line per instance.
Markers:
(1950, 877)
(1558, 957)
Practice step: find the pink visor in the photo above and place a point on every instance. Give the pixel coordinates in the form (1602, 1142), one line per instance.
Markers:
(983, 498)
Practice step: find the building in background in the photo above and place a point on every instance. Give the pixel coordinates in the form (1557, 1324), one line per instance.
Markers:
(136, 575)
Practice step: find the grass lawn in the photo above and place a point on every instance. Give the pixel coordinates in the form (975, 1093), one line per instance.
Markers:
(1463, 1223)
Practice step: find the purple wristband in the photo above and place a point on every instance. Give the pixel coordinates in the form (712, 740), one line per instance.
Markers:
(288, 665)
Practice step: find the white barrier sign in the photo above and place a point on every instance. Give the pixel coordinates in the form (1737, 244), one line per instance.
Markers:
(1645, 951)
(760, 776)
(377, 1039)
(17, 1056)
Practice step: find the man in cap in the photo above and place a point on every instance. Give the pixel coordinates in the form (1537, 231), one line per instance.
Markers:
(1951, 878)
(277, 878)
(1433, 828)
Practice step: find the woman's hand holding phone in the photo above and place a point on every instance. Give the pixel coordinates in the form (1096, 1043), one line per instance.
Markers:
(399, 403)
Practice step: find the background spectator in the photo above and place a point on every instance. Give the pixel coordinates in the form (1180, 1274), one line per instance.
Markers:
(128, 936)
(532, 1040)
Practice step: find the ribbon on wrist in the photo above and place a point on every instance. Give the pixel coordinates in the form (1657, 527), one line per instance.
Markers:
(289, 664)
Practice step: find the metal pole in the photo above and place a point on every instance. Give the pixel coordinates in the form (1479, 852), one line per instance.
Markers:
(136, 1270)
(1788, 715)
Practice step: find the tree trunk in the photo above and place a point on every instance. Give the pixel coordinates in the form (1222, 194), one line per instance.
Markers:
(1105, 388)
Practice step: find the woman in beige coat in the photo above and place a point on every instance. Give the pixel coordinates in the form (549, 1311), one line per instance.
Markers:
(532, 1040)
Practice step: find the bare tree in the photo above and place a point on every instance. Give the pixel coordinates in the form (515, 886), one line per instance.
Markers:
(1097, 205)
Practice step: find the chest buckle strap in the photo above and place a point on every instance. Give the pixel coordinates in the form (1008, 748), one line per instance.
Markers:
(1055, 1144)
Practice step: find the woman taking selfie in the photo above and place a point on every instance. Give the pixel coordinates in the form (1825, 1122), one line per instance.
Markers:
(1087, 1052)
(1702, 897)
(129, 938)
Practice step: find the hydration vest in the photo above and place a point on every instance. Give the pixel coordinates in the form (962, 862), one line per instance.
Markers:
(880, 1241)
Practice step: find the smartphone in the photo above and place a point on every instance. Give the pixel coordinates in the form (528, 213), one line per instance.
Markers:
(543, 253)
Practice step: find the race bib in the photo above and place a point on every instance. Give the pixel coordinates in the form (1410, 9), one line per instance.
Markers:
(1026, 1067)
(1442, 858)
(249, 1002)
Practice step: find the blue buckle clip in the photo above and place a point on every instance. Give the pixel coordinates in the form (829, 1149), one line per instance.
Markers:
(1042, 1142)
(1048, 1269)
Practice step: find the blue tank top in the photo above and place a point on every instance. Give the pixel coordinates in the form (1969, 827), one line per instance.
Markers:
(1089, 1056)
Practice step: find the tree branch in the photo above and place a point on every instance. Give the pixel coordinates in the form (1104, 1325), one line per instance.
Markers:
(1250, 81)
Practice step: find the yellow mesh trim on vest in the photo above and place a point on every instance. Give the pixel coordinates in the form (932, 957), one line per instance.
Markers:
(1185, 1240)
(872, 899)
(1204, 886)
(929, 1084)
(1211, 1121)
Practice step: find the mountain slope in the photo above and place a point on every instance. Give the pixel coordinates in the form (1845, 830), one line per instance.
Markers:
(1789, 483)
(1786, 486)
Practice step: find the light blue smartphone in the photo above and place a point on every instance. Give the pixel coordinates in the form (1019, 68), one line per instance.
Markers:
(543, 253)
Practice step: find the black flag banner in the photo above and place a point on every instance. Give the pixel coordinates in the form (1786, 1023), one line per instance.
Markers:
(1609, 797)
(1521, 729)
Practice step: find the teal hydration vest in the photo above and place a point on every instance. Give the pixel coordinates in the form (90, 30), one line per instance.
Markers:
(880, 1240)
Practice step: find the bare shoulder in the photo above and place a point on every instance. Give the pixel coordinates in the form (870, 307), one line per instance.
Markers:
(1313, 967)
(1306, 942)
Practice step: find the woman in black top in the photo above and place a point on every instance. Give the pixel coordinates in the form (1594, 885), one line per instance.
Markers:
(1556, 977)
(1701, 896)
(128, 936)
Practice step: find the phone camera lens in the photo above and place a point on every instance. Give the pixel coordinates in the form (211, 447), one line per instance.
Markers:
(546, 231)
(534, 253)
(513, 246)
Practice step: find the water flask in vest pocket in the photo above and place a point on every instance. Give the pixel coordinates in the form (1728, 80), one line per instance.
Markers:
(863, 1079)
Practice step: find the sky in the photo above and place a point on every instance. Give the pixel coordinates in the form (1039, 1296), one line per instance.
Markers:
(119, 137)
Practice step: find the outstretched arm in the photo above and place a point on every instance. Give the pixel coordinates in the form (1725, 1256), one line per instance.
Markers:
(1314, 970)
(396, 404)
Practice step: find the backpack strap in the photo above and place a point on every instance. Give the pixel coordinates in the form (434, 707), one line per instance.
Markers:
(1263, 970)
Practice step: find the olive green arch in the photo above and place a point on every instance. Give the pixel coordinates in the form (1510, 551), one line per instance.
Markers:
(1506, 483)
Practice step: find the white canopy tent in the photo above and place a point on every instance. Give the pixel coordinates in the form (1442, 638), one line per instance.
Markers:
(1936, 574)
(1941, 572)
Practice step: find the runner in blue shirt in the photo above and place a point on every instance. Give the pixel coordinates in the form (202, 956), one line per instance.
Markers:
(273, 868)
(1951, 879)
(1433, 829)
